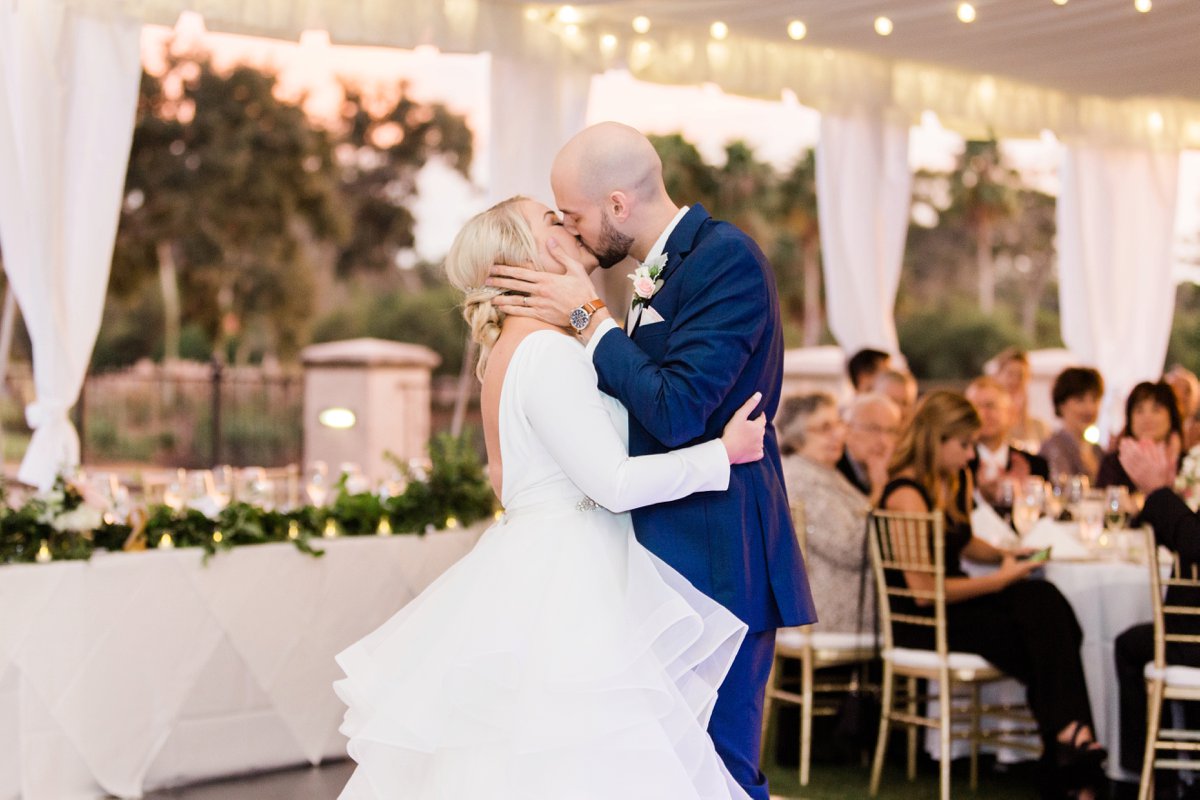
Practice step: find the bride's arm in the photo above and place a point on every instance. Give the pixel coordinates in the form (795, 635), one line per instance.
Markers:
(567, 413)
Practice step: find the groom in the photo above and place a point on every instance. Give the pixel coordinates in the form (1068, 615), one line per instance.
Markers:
(704, 338)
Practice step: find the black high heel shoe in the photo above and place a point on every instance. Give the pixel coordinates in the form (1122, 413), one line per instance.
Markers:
(1079, 761)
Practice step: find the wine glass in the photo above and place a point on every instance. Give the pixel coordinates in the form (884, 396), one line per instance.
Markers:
(1090, 513)
(317, 488)
(1006, 492)
(1116, 507)
(1030, 505)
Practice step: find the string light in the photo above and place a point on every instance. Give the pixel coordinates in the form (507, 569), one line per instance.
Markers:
(451, 522)
(797, 30)
(385, 527)
(571, 30)
(1060, 2)
(966, 12)
(43, 555)
(166, 542)
(569, 15)
(1143, 6)
(1155, 121)
(641, 24)
(532, 14)
(608, 43)
(883, 26)
(719, 30)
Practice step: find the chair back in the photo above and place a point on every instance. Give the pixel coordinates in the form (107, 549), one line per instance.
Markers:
(1176, 601)
(914, 543)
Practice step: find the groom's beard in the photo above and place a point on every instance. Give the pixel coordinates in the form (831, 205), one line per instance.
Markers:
(613, 246)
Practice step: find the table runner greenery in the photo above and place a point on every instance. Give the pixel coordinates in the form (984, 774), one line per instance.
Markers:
(65, 524)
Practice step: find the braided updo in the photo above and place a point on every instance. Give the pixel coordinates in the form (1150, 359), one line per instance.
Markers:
(499, 235)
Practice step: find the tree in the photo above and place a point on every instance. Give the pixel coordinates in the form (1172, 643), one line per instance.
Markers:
(795, 217)
(379, 155)
(983, 195)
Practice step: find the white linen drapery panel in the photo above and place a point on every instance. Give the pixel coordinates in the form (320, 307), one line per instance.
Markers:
(1116, 225)
(68, 95)
(863, 197)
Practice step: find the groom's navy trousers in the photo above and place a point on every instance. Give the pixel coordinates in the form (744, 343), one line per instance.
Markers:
(682, 378)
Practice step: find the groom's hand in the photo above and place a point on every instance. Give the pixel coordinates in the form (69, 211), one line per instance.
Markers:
(544, 295)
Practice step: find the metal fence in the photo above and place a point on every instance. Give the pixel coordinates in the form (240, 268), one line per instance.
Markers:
(195, 415)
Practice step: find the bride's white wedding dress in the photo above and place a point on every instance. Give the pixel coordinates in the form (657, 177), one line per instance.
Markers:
(559, 660)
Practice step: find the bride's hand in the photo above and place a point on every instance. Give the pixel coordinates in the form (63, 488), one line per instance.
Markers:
(743, 437)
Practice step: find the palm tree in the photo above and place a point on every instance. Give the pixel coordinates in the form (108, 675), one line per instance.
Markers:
(984, 195)
(796, 216)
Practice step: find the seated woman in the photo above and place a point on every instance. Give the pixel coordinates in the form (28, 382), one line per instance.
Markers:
(811, 438)
(1025, 628)
(1151, 415)
(1012, 370)
(1077, 392)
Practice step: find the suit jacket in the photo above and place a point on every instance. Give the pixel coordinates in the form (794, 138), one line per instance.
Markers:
(846, 467)
(1038, 466)
(1178, 528)
(682, 379)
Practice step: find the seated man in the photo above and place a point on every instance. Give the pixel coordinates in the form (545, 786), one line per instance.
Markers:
(901, 387)
(872, 428)
(1152, 467)
(996, 458)
(864, 366)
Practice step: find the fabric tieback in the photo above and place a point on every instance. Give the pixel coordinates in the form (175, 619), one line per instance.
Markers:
(43, 413)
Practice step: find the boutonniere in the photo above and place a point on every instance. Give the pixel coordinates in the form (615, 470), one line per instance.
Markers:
(648, 279)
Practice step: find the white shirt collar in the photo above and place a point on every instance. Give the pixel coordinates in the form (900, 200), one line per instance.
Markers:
(661, 243)
(992, 462)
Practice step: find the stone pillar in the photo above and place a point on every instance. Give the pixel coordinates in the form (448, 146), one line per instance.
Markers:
(365, 397)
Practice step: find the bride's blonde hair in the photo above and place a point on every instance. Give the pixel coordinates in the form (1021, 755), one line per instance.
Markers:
(499, 235)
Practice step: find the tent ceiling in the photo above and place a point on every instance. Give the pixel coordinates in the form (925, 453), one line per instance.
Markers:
(1100, 47)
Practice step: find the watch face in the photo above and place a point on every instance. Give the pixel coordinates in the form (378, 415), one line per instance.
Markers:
(580, 319)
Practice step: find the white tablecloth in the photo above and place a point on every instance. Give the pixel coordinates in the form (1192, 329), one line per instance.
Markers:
(141, 670)
(1108, 596)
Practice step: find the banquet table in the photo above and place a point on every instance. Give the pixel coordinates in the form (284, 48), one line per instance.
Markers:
(1108, 588)
(136, 671)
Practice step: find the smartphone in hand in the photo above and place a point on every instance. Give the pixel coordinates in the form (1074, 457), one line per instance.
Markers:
(1037, 556)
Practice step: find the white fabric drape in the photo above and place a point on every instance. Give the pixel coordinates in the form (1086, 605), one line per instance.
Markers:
(863, 198)
(1116, 225)
(536, 106)
(68, 95)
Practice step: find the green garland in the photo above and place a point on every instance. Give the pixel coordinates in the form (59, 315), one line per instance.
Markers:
(456, 491)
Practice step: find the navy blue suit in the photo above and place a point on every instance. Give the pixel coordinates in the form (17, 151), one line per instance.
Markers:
(682, 379)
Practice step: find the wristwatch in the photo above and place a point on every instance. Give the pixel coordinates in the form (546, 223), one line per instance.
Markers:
(581, 317)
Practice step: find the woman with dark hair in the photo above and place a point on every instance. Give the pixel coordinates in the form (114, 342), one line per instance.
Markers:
(1077, 392)
(1025, 628)
(1151, 415)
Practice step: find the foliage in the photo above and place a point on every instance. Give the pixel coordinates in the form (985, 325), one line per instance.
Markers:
(953, 340)
(240, 209)
(455, 491)
(430, 316)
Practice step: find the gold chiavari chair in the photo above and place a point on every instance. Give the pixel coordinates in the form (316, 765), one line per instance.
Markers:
(914, 543)
(815, 651)
(1166, 681)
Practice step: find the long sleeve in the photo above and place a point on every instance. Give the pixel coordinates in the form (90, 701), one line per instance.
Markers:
(1175, 525)
(564, 407)
(718, 326)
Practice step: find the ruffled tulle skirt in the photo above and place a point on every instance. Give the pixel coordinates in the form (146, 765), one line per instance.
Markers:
(559, 660)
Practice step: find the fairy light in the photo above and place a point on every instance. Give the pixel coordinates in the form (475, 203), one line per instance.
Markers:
(1155, 121)
(385, 527)
(293, 530)
(218, 537)
(1060, 2)
(569, 15)
(966, 12)
(608, 43)
(797, 30)
(1143, 6)
(43, 555)
(166, 542)
(718, 30)
(883, 26)
(641, 24)
(451, 522)
(331, 530)
(532, 14)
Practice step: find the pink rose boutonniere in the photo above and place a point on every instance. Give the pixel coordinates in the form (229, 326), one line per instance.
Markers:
(647, 279)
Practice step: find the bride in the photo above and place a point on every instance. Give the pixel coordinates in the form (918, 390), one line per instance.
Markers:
(559, 659)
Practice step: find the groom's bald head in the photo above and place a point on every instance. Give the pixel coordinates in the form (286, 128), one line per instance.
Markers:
(608, 183)
(608, 157)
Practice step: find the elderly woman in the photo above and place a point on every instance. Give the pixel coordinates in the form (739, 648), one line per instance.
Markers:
(811, 438)
(1151, 415)
(1077, 392)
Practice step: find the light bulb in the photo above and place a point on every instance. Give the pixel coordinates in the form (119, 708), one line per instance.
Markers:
(883, 26)
(797, 30)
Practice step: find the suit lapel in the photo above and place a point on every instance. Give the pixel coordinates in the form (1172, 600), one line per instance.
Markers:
(681, 242)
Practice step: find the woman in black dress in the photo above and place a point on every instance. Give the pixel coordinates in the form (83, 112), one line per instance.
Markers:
(1024, 627)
